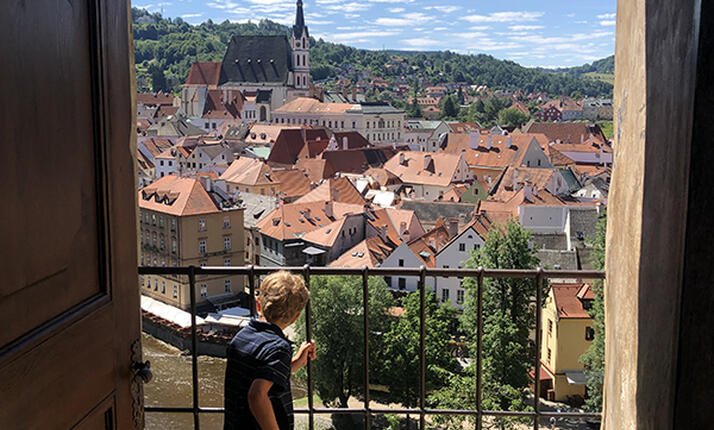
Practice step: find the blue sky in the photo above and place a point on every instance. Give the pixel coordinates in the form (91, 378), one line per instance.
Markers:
(547, 33)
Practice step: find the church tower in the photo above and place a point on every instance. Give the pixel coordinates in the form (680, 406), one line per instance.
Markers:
(301, 51)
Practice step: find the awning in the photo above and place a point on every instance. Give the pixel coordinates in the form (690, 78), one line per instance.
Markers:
(544, 376)
(168, 312)
(311, 250)
(576, 377)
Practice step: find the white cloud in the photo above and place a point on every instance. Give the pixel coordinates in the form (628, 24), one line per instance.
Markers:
(397, 10)
(607, 16)
(525, 27)
(607, 23)
(421, 41)
(444, 9)
(407, 19)
(504, 17)
(191, 15)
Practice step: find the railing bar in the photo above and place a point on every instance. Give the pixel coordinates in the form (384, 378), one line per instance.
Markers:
(194, 345)
(251, 289)
(365, 334)
(479, 348)
(468, 412)
(380, 271)
(308, 337)
(538, 341)
(422, 348)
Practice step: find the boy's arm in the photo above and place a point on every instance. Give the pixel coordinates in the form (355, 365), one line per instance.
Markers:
(307, 349)
(260, 405)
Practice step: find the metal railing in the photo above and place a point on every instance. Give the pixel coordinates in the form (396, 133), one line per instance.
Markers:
(538, 275)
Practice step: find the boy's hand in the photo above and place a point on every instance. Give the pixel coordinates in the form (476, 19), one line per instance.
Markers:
(307, 349)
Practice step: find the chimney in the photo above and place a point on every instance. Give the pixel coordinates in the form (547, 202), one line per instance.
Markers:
(509, 142)
(592, 141)
(489, 142)
(453, 227)
(223, 96)
(515, 180)
(402, 161)
(335, 194)
(473, 140)
(344, 143)
(230, 96)
(582, 139)
(308, 213)
(403, 229)
(528, 192)
(427, 163)
(329, 209)
(206, 183)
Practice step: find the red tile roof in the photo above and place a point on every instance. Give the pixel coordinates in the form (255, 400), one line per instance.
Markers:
(220, 104)
(426, 246)
(293, 182)
(208, 73)
(155, 99)
(371, 252)
(338, 189)
(442, 168)
(567, 302)
(293, 220)
(178, 196)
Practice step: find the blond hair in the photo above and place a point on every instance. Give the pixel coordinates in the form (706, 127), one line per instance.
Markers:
(282, 297)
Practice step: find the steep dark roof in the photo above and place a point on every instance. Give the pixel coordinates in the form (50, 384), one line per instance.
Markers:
(257, 59)
(207, 73)
(299, 22)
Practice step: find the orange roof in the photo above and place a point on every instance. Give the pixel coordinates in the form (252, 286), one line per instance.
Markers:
(293, 182)
(370, 252)
(464, 127)
(382, 176)
(156, 145)
(338, 189)
(427, 245)
(263, 134)
(155, 99)
(567, 131)
(537, 177)
(310, 105)
(499, 155)
(441, 169)
(249, 171)
(521, 107)
(316, 169)
(178, 196)
(455, 193)
(208, 73)
(293, 220)
(327, 235)
(480, 223)
(223, 104)
(567, 302)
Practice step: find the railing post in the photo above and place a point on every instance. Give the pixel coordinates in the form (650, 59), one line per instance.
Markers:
(365, 312)
(194, 345)
(538, 341)
(251, 289)
(308, 338)
(422, 348)
(479, 348)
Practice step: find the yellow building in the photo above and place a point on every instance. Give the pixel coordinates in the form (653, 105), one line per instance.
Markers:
(182, 224)
(567, 334)
(249, 175)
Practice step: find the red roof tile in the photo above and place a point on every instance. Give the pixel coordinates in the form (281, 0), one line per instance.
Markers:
(208, 73)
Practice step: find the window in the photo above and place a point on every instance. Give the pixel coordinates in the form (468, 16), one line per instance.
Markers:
(148, 282)
(162, 244)
(444, 295)
(460, 296)
(227, 243)
(163, 262)
(227, 262)
(156, 284)
(175, 291)
(204, 290)
(161, 222)
(173, 224)
(206, 125)
(589, 333)
(153, 219)
(549, 354)
(202, 246)
(148, 237)
(163, 287)
(227, 285)
(153, 239)
(476, 246)
(550, 329)
(155, 262)
(146, 218)
(227, 222)
(388, 280)
(401, 263)
(462, 247)
(201, 225)
(173, 245)
(402, 283)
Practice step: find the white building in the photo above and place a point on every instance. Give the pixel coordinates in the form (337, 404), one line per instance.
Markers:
(380, 124)
(424, 135)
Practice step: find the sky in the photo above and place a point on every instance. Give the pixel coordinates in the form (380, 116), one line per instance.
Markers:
(545, 33)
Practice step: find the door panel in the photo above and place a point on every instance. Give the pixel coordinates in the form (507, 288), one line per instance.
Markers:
(69, 300)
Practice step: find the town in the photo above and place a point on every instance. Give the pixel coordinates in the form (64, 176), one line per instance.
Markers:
(253, 163)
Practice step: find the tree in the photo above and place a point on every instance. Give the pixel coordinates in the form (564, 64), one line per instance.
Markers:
(400, 359)
(594, 357)
(508, 317)
(413, 110)
(449, 109)
(512, 118)
(158, 80)
(337, 327)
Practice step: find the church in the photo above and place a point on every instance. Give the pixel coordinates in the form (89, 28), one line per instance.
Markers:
(258, 74)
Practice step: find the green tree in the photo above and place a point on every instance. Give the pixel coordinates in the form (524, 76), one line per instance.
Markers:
(594, 357)
(449, 109)
(158, 80)
(413, 110)
(400, 359)
(337, 326)
(512, 118)
(508, 317)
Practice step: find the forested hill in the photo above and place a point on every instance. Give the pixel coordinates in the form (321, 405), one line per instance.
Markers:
(165, 48)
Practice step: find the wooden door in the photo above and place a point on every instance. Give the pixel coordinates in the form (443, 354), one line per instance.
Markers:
(69, 302)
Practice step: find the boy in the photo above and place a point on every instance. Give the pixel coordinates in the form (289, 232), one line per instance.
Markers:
(257, 387)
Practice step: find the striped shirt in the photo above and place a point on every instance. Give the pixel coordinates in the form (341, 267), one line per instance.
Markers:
(259, 351)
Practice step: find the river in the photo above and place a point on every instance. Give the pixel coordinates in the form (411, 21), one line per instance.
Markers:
(171, 386)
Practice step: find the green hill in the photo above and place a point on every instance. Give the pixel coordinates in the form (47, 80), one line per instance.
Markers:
(164, 49)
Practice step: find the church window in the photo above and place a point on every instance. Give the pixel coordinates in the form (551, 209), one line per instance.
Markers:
(298, 63)
(304, 42)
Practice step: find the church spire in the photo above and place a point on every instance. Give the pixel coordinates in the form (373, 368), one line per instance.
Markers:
(299, 21)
